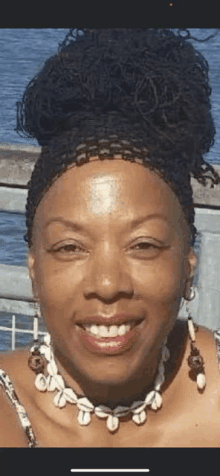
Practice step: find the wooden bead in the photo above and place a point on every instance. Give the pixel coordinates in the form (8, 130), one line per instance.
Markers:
(36, 362)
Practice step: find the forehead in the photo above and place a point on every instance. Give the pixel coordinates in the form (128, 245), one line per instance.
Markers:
(109, 186)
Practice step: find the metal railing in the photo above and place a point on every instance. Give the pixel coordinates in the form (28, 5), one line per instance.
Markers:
(16, 298)
(14, 330)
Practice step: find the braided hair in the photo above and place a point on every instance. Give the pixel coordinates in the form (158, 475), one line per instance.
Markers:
(148, 85)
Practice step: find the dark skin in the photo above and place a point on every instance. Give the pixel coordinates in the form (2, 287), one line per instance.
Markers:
(106, 274)
(107, 267)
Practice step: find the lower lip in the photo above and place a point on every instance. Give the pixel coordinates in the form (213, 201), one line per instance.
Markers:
(124, 343)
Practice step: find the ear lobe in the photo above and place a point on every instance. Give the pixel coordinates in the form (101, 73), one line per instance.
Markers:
(192, 263)
(31, 270)
(30, 263)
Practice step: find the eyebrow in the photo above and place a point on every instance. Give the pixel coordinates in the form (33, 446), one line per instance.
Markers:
(80, 227)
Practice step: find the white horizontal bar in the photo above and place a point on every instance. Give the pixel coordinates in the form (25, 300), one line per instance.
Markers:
(19, 147)
(17, 307)
(15, 283)
(13, 199)
(110, 470)
(207, 220)
(2, 328)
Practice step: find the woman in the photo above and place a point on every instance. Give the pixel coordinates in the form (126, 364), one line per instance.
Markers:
(123, 118)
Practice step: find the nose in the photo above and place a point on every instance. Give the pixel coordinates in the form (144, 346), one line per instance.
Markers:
(108, 277)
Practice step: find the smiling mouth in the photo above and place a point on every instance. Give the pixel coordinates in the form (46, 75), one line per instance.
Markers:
(110, 331)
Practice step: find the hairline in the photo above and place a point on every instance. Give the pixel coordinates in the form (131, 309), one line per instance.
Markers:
(147, 165)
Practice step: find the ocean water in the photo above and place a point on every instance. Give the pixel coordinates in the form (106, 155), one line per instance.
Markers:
(22, 53)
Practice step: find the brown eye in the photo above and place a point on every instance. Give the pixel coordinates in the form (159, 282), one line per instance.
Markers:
(145, 246)
(69, 248)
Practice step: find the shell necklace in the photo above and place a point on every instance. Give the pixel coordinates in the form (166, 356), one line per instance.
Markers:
(53, 381)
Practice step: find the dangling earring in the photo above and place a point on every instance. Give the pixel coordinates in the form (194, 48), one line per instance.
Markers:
(195, 360)
(36, 361)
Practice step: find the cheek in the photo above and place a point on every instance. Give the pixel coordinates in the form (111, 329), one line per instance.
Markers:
(57, 282)
(161, 279)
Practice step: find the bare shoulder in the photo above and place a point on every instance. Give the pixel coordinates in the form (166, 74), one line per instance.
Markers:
(11, 432)
(205, 337)
(206, 344)
(15, 364)
(12, 362)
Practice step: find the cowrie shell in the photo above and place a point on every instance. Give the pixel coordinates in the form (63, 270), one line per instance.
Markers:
(52, 368)
(46, 352)
(83, 418)
(150, 397)
(41, 383)
(159, 381)
(112, 423)
(51, 384)
(161, 369)
(59, 400)
(139, 417)
(138, 407)
(157, 402)
(70, 396)
(85, 405)
(59, 382)
(165, 354)
(121, 411)
(102, 411)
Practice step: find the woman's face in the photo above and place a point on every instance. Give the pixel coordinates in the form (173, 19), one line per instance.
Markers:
(109, 238)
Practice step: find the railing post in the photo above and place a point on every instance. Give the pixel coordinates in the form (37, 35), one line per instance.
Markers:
(13, 333)
(35, 328)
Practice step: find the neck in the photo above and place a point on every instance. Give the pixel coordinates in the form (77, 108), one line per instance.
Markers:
(110, 393)
(137, 387)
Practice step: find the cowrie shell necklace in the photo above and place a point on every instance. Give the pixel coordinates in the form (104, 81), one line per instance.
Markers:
(54, 381)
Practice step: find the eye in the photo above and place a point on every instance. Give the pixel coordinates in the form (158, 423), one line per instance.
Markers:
(145, 249)
(145, 246)
(68, 248)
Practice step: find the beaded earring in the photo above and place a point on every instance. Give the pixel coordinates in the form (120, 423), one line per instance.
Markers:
(195, 360)
(36, 361)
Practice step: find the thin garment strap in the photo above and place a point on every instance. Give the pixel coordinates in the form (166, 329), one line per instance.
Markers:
(6, 383)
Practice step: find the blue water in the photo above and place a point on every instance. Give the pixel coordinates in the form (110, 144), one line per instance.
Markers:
(22, 53)
(13, 249)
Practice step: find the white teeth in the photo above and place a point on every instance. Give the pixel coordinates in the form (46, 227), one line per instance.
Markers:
(113, 331)
(103, 331)
(93, 329)
(110, 331)
(108, 344)
(121, 330)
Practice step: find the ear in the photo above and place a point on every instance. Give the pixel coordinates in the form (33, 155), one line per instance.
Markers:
(193, 262)
(31, 270)
(191, 265)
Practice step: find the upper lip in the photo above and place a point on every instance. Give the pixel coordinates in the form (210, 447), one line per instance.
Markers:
(117, 319)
